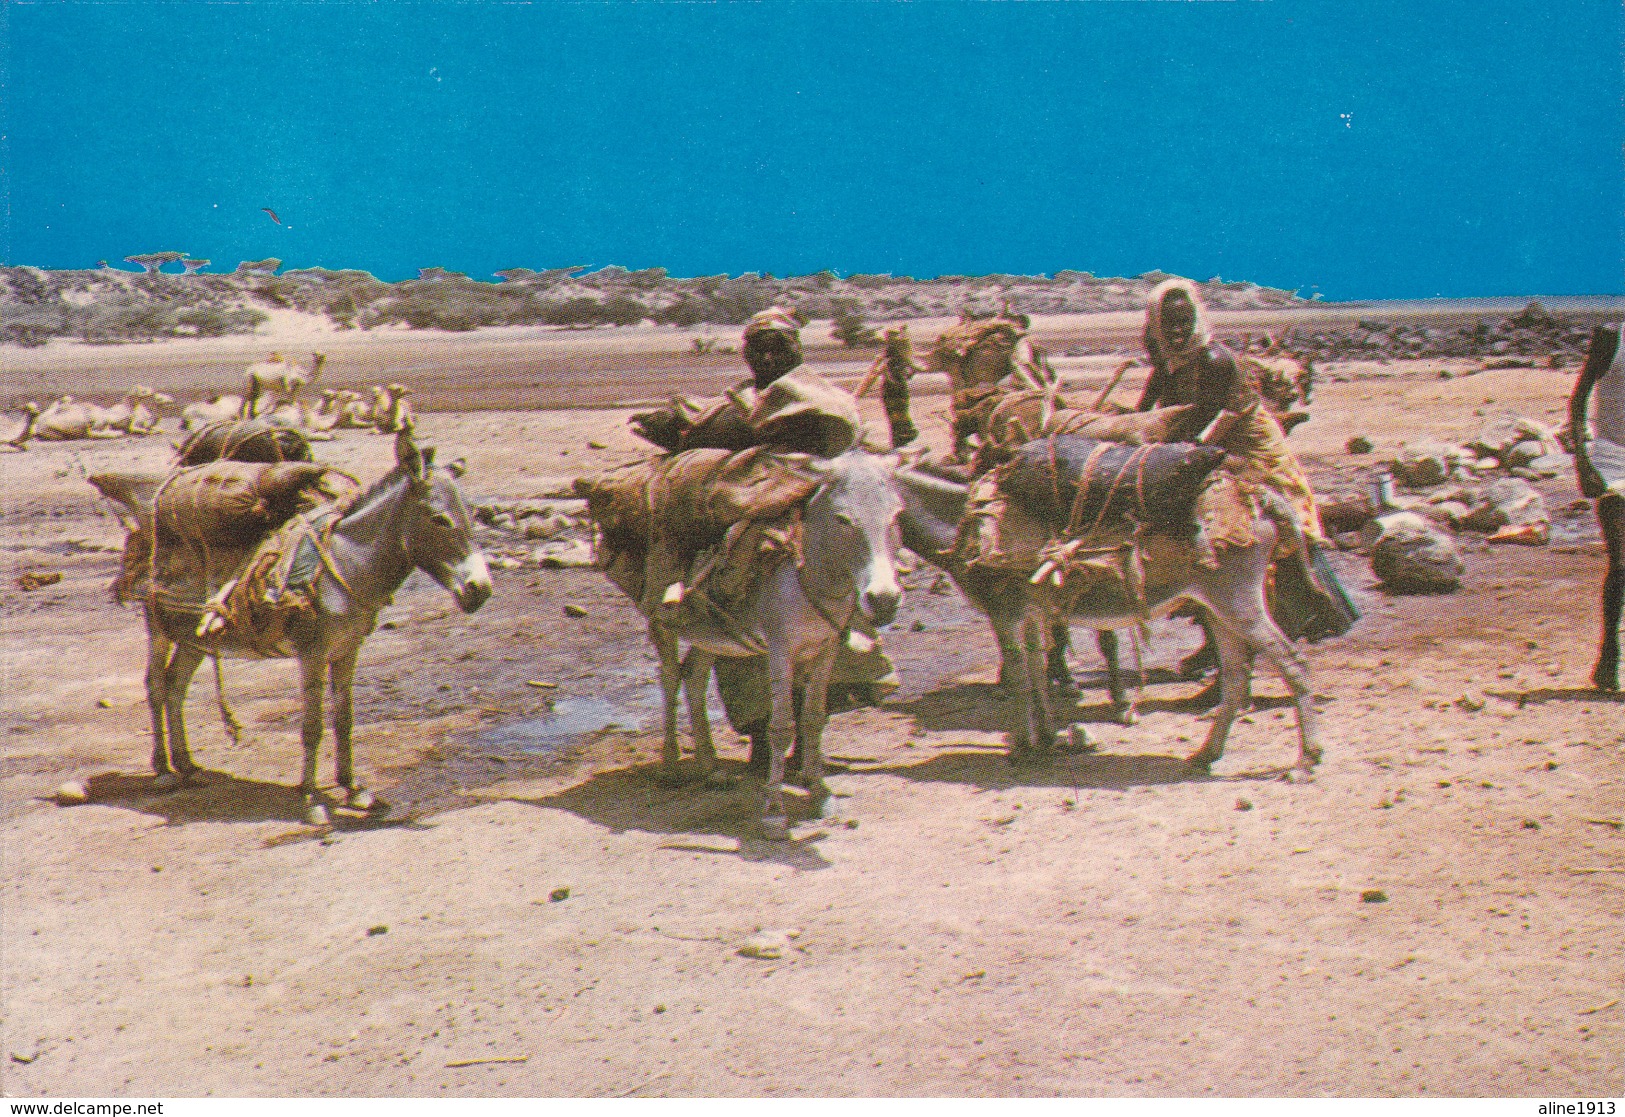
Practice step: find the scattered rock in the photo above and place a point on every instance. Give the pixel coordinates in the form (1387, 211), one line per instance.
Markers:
(72, 793)
(1359, 444)
(1547, 466)
(1411, 556)
(1470, 701)
(1345, 514)
(558, 895)
(1424, 464)
(380, 929)
(1528, 535)
(1244, 804)
(1373, 896)
(1530, 824)
(574, 611)
(34, 579)
(1508, 500)
(563, 553)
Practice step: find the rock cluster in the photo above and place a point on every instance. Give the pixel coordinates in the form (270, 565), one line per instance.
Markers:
(1533, 333)
(1481, 486)
(560, 526)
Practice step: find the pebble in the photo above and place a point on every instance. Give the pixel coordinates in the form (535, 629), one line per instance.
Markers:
(1374, 896)
(558, 895)
(574, 611)
(72, 793)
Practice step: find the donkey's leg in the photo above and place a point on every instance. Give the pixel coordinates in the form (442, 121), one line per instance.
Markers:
(1123, 707)
(1235, 684)
(671, 679)
(1611, 515)
(341, 677)
(1060, 641)
(183, 664)
(1012, 651)
(780, 730)
(159, 648)
(810, 730)
(696, 686)
(1034, 631)
(311, 672)
(1294, 671)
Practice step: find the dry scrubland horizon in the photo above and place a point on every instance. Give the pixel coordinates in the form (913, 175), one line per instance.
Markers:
(1441, 912)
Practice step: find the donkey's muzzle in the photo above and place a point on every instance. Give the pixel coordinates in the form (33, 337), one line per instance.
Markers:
(470, 582)
(881, 607)
(471, 595)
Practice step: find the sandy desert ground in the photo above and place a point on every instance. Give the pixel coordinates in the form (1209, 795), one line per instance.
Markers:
(1107, 924)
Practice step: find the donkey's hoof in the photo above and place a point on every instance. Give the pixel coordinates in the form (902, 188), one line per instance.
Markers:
(316, 814)
(1200, 762)
(1300, 774)
(775, 828)
(166, 782)
(1606, 678)
(1126, 715)
(360, 799)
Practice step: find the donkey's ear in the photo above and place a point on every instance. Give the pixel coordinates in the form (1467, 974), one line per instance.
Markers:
(457, 467)
(407, 455)
(428, 459)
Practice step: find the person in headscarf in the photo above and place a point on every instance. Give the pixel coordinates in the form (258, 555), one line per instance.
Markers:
(1599, 465)
(894, 368)
(1188, 366)
(985, 358)
(784, 403)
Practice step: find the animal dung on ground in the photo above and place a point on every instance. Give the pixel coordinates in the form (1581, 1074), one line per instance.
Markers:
(72, 793)
(768, 945)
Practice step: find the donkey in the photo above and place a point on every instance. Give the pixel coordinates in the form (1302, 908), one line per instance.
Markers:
(932, 508)
(413, 517)
(1233, 594)
(794, 615)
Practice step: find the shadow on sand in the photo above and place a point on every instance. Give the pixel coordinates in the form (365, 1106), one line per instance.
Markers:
(1564, 694)
(219, 797)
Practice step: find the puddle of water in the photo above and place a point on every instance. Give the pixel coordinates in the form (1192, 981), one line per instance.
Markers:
(574, 718)
(570, 719)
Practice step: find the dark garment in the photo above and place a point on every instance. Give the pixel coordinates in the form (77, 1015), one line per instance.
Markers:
(894, 395)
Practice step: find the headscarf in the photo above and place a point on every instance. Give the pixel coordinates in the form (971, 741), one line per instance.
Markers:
(775, 319)
(1200, 336)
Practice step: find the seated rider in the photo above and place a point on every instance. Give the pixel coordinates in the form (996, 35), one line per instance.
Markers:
(784, 404)
(1189, 367)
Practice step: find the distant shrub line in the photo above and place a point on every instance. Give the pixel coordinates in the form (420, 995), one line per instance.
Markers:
(107, 305)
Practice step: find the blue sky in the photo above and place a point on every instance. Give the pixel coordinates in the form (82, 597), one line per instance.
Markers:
(1361, 150)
